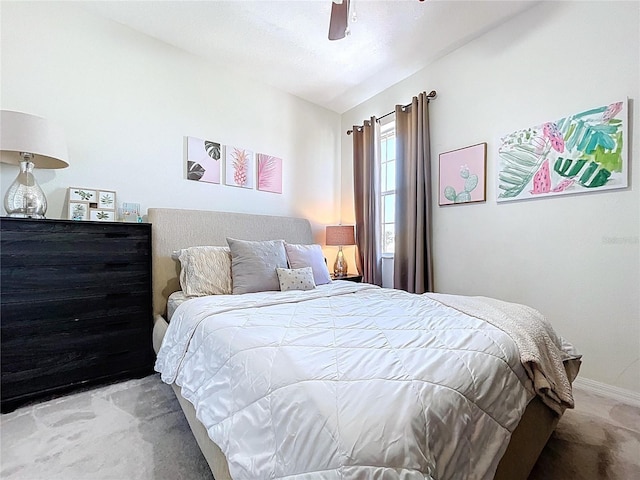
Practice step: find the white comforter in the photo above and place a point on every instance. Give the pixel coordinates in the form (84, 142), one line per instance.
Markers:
(347, 381)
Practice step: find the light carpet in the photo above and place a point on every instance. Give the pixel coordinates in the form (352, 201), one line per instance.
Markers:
(136, 430)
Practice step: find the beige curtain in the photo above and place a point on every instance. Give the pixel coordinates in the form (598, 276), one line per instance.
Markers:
(412, 270)
(366, 181)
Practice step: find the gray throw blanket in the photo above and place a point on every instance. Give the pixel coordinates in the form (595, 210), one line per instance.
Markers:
(550, 362)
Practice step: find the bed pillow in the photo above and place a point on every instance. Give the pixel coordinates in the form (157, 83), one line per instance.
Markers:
(300, 256)
(296, 279)
(205, 270)
(253, 265)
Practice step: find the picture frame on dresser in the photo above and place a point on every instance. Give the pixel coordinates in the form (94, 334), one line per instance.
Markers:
(98, 205)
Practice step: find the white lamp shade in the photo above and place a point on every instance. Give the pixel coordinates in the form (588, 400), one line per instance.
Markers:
(22, 132)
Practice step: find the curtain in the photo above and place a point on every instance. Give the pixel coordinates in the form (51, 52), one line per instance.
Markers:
(413, 270)
(366, 181)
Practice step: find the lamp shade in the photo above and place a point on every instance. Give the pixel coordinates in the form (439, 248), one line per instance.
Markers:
(23, 132)
(340, 235)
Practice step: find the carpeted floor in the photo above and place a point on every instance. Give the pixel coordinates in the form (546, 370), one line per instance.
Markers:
(136, 430)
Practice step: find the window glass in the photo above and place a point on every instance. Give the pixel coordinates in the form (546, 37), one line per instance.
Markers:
(387, 188)
(390, 175)
(389, 208)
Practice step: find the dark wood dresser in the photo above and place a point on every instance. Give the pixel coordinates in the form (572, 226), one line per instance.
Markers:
(75, 305)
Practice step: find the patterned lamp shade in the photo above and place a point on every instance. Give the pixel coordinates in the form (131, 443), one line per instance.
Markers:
(341, 235)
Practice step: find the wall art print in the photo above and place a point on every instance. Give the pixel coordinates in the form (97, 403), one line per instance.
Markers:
(581, 153)
(239, 168)
(462, 176)
(203, 160)
(269, 173)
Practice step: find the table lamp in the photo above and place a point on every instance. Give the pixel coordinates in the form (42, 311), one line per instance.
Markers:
(340, 235)
(29, 141)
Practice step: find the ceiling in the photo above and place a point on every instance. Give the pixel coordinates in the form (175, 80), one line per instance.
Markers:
(284, 43)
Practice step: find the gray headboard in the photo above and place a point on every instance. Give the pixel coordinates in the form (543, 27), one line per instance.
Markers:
(173, 229)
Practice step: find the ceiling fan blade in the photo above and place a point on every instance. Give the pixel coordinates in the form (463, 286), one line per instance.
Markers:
(339, 20)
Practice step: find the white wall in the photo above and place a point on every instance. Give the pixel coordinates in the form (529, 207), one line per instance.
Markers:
(126, 101)
(575, 258)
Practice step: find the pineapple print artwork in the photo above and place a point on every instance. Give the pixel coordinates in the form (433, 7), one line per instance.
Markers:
(239, 167)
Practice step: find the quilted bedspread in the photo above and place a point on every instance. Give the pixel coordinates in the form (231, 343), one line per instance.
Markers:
(347, 381)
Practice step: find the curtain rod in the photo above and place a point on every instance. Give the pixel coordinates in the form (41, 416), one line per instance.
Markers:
(430, 96)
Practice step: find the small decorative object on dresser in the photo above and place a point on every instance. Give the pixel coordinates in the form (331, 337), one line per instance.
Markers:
(75, 305)
(92, 204)
(130, 212)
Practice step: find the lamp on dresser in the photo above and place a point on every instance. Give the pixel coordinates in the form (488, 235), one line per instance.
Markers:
(29, 141)
(340, 236)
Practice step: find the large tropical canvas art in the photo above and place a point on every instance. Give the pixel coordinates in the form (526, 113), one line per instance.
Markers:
(584, 152)
(239, 169)
(203, 160)
(269, 173)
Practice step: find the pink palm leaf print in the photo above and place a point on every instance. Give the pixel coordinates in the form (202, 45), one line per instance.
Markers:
(266, 170)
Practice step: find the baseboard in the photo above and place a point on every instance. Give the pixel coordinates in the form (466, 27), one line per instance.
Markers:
(617, 393)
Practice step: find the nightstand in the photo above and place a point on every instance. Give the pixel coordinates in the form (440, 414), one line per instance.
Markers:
(76, 305)
(350, 277)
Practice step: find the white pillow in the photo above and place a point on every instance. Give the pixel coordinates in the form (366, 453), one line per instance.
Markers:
(205, 270)
(300, 256)
(296, 279)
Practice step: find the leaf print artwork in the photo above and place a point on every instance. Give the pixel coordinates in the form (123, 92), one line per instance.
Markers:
(203, 160)
(542, 180)
(84, 195)
(269, 173)
(575, 154)
(78, 211)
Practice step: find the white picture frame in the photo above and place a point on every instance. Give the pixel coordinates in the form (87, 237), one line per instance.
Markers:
(106, 200)
(102, 215)
(78, 211)
(79, 194)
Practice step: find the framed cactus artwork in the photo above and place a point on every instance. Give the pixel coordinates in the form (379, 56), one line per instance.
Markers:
(583, 152)
(239, 167)
(462, 176)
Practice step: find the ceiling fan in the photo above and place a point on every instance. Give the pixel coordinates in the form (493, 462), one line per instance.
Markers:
(339, 20)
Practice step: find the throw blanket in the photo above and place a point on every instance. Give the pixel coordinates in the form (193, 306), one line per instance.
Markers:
(542, 352)
(347, 381)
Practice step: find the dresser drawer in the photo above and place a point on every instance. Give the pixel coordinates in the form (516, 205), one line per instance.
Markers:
(75, 317)
(57, 361)
(42, 283)
(73, 243)
(63, 351)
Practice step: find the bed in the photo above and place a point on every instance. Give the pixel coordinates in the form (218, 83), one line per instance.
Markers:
(526, 422)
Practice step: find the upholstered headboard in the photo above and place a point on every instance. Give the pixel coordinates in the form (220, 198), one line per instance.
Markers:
(173, 229)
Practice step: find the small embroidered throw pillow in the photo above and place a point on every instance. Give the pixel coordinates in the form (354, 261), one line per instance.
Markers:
(296, 279)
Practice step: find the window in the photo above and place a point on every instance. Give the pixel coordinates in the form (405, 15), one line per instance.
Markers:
(388, 184)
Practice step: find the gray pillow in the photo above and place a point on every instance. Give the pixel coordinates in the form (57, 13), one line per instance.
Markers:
(253, 265)
(300, 256)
